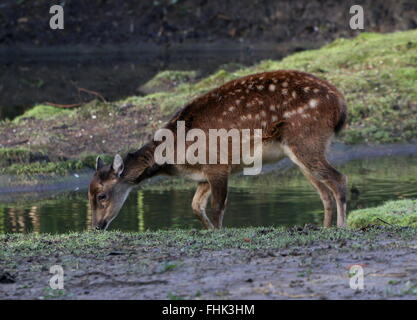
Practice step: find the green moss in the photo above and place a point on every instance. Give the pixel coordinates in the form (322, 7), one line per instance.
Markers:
(43, 112)
(379, 83)
(53, 168)
(167, 80)
(396, 213)
(173, 76)
(217, 79)
(14, 155)
(39, 168)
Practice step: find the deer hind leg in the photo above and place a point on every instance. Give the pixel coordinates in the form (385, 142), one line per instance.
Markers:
(313, 161)
(199, 204)
(326, 197)
(338, 185)
(218, 184)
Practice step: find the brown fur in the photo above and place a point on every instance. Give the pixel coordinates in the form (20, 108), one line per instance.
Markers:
(298, 112)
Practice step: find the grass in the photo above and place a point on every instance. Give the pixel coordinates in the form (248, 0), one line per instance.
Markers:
(19, 164)
(43, 112)
(167, 80)
(189, 241)
(40, 168)
(10, 156)
(399, 213)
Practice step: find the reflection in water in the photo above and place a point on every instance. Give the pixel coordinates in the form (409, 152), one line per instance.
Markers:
(2, 220)
(35, 218)
(141, 212)
(89, 218)
(273, 199)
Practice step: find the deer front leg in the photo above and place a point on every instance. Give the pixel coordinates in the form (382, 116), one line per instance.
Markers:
(199, 204)
(218, 186)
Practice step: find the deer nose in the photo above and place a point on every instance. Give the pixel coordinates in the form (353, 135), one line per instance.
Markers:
(101, 225)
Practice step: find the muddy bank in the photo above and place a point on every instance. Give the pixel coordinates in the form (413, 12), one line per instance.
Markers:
(14, 188)
(253, 263)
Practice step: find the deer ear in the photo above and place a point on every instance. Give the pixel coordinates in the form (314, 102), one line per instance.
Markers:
(99, 163)
(118, 165)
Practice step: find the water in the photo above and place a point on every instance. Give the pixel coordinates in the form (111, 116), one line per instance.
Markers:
(281, 197)
(56, 76)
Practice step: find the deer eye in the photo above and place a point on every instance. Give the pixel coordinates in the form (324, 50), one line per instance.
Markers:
(101, 197)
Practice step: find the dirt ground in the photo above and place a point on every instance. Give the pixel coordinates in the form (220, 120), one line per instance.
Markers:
(315, 270)
(61, 141)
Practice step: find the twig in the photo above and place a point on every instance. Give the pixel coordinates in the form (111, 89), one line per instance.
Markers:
(113, 281)
(385, 222)
(17, 143)
(75, 105)
(93, 93)
(63, 106)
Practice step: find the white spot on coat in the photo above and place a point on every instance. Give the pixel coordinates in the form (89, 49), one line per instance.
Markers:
(313, 103)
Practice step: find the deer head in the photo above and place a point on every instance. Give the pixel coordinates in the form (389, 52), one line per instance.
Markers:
(107, 192)
(111, 184)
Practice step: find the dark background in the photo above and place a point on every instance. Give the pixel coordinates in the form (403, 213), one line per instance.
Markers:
(113, 47)
(99, 22)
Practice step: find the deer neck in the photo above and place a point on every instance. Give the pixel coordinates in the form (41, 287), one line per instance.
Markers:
(141, 165)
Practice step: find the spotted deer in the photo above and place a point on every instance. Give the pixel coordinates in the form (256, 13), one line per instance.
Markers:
(298, 114)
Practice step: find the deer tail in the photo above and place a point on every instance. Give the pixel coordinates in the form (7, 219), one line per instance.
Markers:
(342, 118)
